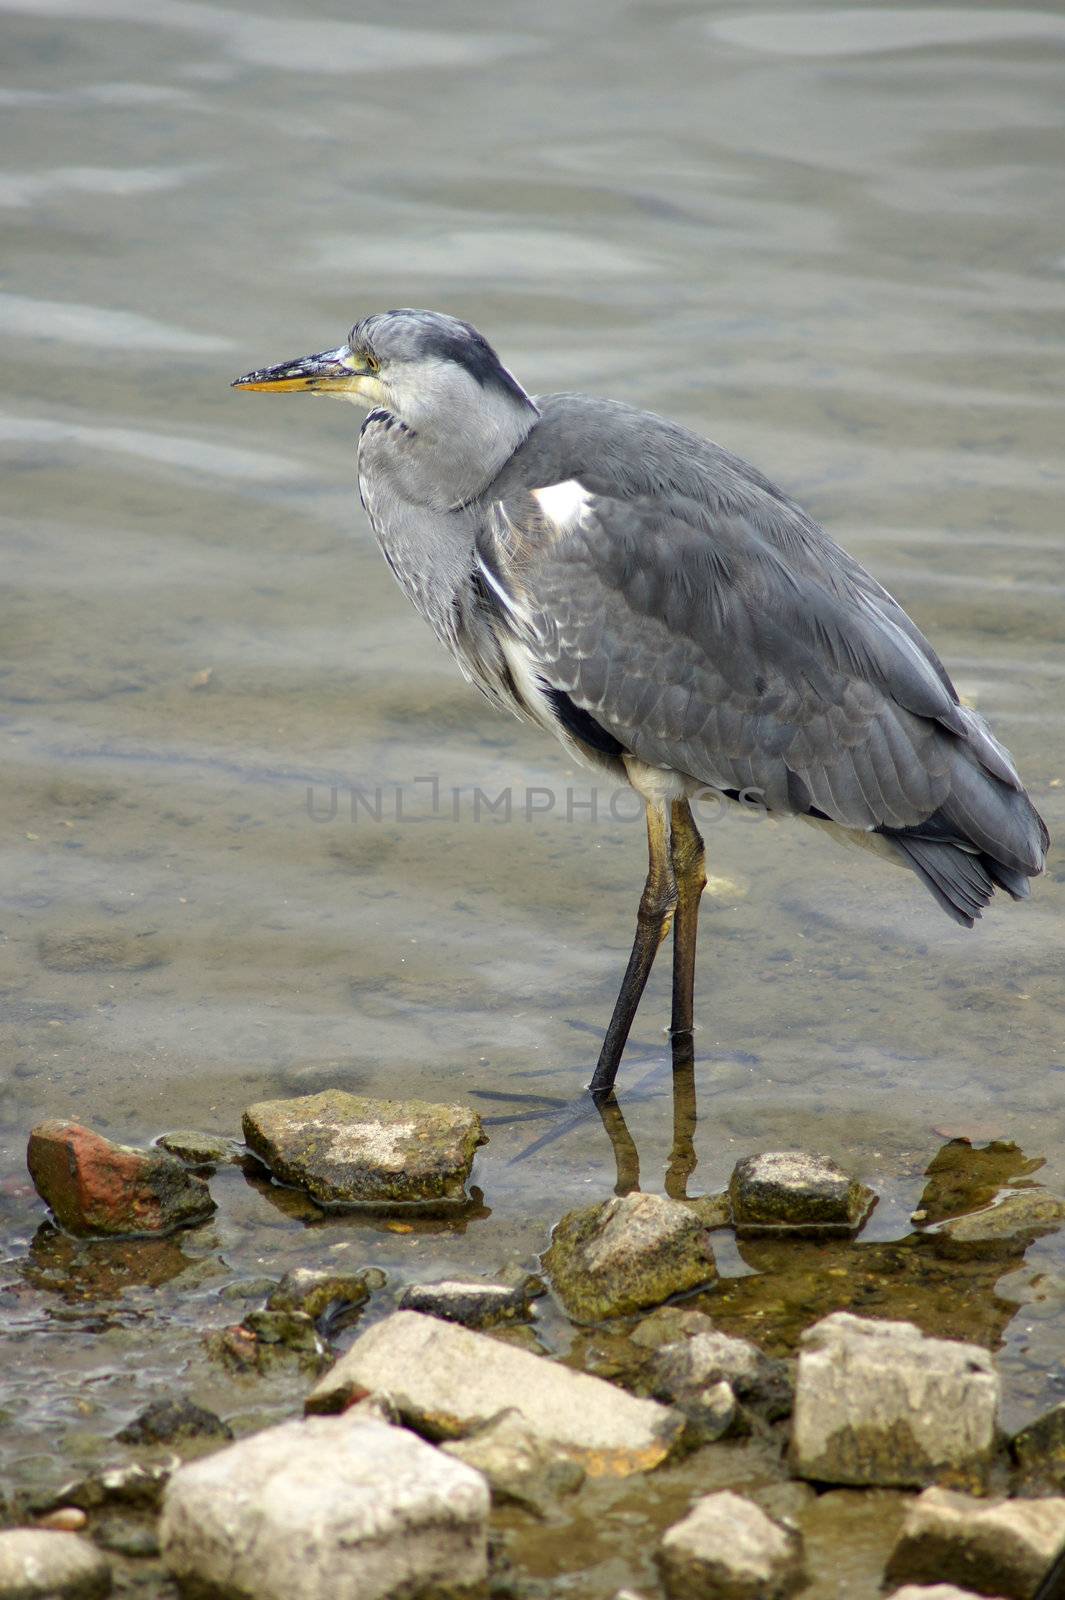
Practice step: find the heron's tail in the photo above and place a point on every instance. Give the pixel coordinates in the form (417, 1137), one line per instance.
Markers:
(987, 835)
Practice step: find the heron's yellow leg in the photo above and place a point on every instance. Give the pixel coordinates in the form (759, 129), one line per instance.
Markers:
(653, 919)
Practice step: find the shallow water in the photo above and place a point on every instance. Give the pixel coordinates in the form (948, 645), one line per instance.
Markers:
(829, 238)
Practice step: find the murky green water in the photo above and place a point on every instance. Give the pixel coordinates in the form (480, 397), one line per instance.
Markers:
(831, 239)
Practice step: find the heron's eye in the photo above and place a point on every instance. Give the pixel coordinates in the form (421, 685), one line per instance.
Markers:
(371, 361)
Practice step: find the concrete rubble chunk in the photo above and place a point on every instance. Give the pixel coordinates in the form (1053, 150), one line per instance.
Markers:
(326, 1507)
(1039, 1451)
(36, 1564)
(727, 1548)
(520, 1467)
(446, 1382)
(346, 1150)
(688, 1366)
(1006, 1228)
(97, 1187)
(1002, 1548)
(474, 1305)
(879, 1403)
(627, 1253)
(794, 1191)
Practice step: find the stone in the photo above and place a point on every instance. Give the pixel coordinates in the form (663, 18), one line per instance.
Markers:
(668, 1325)
(133, 1485)
(201, 1149)
(95, 1186)
(521, 1468)
(1002, 1548)
(124, 1537)
(935, 1591)
(346, 1150)
(36, 1564)
(293, 1329)
(1039, 1451)
(180, 1418)
(879, 1403)
(790, 1190)
(681, 1370)
(727, 1548)
(317, 1291)
(1006, 1228)
(248, 1289)
(65, 1519)
(324, 1507)
(474, 1305)
(446, 1382)
(627, 1253)
(98, 952)
(712, 1210)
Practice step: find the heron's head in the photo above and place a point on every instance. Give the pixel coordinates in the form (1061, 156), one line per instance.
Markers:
(431, 370)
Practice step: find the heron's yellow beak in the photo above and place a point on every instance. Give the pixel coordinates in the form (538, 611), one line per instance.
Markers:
(331, 372)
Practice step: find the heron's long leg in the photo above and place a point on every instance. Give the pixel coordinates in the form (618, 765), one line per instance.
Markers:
(652, 924)
(689, 870)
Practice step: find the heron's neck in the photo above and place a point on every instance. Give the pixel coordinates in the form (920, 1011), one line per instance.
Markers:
(439, 466)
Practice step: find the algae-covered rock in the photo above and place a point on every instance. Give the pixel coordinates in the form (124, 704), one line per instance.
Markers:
(38, 1564)
(627, 1253)
(97, 1187)
(1006, 1228)
(879, 1403)
(347, 1150)
(791, 1190)
(1000, 1549)
(317, 1290)
(727, 1548)
(686, 1368)
(178, 1418)
(201, 1149)
(522, 1468)
(474, 1305)
(446, 1382)
(1039, 1451)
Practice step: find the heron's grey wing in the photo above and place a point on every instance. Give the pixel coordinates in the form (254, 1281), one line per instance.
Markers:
(701, 646)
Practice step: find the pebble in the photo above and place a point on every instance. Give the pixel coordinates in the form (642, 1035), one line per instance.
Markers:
(1000, 1548)
(346, 1150)
(95, 1186)
(133, 1539)
(36, 1564)
(324, 1507)
(474, 1305)
(168, 1419)
(793, 1191)
(446, 1382)
(879, 1403)
(317, 1290)
(626, 1254)
(935, 1591)
(64, 1519)
(727, 1548)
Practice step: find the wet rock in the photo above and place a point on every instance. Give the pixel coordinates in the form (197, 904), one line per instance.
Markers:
(520, 1468)
(39, 1565)
(318, 1290)
(627, 1253)
(1001, 1549)
(136, 1540)
(713, 1210)
(134, 1485)
(95, 1186)
(64, 1519)
(879, 1403)
(99, 952)
(668, 1325)
(330, 1506)
(345, 1150)
(1006, 1228)
(680, 1371)
(792, 1190)
(248, 1289)
(201, 1149)
(727, 1548)
(446, 1381)
(293, 1329)
(474, 1305)
(165, 1420)
(1039, 1451)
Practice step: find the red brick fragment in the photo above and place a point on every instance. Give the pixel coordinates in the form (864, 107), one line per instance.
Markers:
(95, 1186)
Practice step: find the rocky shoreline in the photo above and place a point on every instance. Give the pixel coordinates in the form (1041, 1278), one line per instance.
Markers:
(431, 1450)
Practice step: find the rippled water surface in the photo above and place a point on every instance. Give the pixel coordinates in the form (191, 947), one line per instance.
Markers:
(830, 238)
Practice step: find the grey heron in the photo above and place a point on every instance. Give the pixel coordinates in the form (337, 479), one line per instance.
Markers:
(674, 619)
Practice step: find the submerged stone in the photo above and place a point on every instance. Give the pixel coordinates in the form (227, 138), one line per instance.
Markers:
(1006, 1228)
(783, 1190)
(627, 1253)
(201, 1149)
(1001, 1549)
(879, 1403)
(474, 1305)
(446, 1382)
(347, 1150)
(180, 1418)
(522, 1468)
(1039, 1451)
(323, 1292)
(325, 1507)
(97, 1187)
(36, 1564)
(727, 1548)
